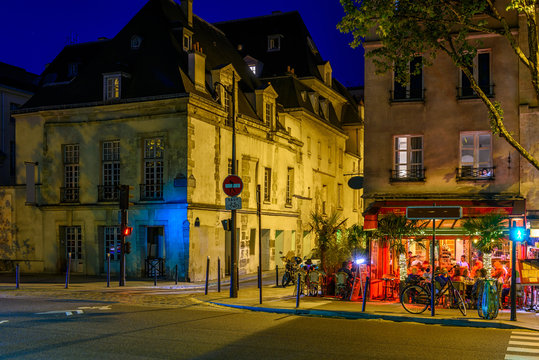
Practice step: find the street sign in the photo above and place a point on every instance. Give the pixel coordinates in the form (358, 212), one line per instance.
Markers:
(233, 203)
(356, 182)
(232, 185)
(433, 212)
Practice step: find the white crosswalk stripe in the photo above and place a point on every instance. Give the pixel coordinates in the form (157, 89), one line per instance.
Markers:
(523, 345)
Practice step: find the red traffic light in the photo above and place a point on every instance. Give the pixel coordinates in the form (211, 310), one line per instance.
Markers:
(127, 230)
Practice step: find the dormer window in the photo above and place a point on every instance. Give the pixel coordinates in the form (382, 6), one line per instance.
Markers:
(304, 95)
(253, 68)
(324, 106)
(111, 86)
(254, 65)
(135, 42)
(314, 102)
(274, 42)
(269, 113)
(187, 42)
(72, 69)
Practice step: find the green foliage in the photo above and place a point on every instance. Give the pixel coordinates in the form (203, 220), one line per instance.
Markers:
(392, 229)
(330, 246)
(489, 230)
(358, 240)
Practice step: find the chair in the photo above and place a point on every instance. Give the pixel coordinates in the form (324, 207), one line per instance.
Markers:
(341, 280)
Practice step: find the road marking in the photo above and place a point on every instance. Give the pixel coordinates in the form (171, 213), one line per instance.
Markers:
(3, 321)
(106, 307)
(519, 350)
(67, 312)
(535, 343)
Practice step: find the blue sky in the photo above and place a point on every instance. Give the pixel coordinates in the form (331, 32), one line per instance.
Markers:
(34, 32)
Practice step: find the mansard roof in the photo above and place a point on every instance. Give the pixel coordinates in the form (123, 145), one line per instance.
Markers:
(250, 36)
(17, 78)
(157, 68)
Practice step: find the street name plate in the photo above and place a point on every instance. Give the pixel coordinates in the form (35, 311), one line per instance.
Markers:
(433, 212)
(233, 203)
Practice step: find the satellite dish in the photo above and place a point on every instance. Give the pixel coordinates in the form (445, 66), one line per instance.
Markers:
(356, 182)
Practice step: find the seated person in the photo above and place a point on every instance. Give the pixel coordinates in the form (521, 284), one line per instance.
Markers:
(481, 275)
(346, 266)
(478, 265)
(457, 276)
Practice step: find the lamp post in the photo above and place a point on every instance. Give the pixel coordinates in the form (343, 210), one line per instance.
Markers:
(233, 254)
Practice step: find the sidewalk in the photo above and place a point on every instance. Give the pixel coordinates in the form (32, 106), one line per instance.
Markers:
(275, 299)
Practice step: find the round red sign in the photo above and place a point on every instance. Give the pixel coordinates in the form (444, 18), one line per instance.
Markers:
(232, 185)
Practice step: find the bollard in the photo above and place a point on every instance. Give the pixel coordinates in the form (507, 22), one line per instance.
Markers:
(67, 270)
(258, 275)
(17, 276)
(176, 277)
(207, 275)
(218, 274)
(238, 276)
(276, 275)
(108, 269)
(298, 290)
(155, 277)
(365, 293)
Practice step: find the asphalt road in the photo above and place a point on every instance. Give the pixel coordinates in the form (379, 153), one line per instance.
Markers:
(40, 328)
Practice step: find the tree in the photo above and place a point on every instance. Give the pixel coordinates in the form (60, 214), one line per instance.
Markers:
(392, 229)
(325, 229)
(406, 28)
(358, 240)
(489, 232)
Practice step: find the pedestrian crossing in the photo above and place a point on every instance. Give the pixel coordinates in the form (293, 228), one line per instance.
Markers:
(523, 345)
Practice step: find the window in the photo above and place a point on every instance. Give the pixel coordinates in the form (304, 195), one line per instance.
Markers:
(135, 42)
(73, 241)
(111, 170)
(476, 155)
(153, 169)
(413, 90)
(267, 184)
(289, 185)
(481, 73)
(253, 68)
(187, 40)
(274, 42)
(112, 242)
(70, 191)
(309, 145)
(314, 102)
(324, 106)
(269, 113)
(72, 69)
(408, 151)
(112, 85)
(340, 195)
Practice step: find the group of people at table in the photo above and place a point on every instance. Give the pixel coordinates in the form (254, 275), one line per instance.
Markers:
(461, 273)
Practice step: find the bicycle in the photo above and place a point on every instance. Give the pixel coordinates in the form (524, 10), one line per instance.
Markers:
(415, 298)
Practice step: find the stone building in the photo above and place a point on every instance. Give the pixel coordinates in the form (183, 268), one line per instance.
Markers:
(151, 108)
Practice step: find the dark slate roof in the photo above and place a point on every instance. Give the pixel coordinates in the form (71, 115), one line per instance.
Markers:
(157, 68)
(17, 78)
(252, 34)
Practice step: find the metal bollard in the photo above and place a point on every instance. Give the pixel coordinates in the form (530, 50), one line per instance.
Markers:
(218, 274)
(276, 275)
(67, 270)
(298, 290)
(238, 276)
(176, 277)
(17, 273)
(367, 280)
(258, 275)
(108, 269)
(207, 275)
(155, 277)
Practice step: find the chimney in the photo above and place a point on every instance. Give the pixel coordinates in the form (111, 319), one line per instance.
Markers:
(197, 67)
(187, 8)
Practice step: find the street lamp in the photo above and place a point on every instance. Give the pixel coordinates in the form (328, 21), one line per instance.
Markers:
(233, 255)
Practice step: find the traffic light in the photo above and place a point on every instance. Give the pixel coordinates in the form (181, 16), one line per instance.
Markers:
(127, 230)
(227, 224)
(519, 234)
(128, 247)
(125, 196)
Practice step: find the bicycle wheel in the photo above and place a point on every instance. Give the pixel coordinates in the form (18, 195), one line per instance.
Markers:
(286, 279)
(415, 299)
(459, 301)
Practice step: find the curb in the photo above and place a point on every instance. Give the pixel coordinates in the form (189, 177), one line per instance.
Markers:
(369, 316)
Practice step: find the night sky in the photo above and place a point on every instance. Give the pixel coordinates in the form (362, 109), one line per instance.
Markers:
(34, 32)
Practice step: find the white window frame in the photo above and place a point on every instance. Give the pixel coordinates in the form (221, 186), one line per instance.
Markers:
(289, 185)
(153, 173)
(476, 149)
(112, 242)
(407, 168)
(274, 42)
(110, 164)
(269, 113)
(112, 86)
(71, 157)
(73, 241)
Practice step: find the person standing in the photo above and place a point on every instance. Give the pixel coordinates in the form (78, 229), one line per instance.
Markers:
(463, 263)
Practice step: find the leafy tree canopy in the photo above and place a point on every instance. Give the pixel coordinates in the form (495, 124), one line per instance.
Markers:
(406, 28)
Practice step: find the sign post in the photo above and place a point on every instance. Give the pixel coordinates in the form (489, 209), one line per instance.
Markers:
(233, 186)
(433, 213)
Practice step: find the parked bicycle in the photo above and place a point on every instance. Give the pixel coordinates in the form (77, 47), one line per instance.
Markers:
(415, 297)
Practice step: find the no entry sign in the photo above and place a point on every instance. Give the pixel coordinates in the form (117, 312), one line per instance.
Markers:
(232, 185)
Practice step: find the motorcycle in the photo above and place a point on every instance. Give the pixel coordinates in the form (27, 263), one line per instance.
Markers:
(291, 269)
